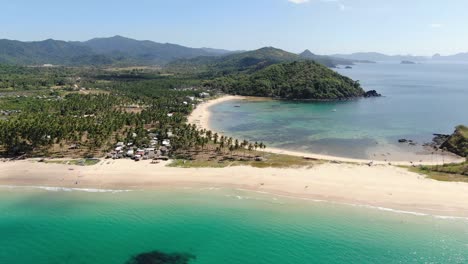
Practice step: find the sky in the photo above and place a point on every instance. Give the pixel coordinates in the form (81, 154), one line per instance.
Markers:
(418, 27)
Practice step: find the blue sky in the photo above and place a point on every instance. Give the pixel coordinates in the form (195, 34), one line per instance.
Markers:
(421, 27)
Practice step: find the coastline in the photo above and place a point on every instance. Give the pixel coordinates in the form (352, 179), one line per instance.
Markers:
(388, 187)
(201, 115)
(352, 182)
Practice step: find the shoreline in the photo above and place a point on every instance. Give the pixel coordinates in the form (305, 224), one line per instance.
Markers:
(379, 186)
(201, 115)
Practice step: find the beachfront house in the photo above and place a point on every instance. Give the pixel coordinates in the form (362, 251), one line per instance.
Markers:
(150, 153)
(130, 153)
(204, 95)
(166, 143)
(153, 143)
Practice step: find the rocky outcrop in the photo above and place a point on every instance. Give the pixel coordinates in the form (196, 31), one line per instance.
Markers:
(372, 93)
(457, 142)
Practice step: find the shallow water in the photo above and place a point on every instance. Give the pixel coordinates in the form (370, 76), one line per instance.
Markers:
(419, 100)
(217, 226)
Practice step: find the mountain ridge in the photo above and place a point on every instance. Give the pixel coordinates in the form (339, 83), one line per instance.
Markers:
(119, 50)
(97, 51)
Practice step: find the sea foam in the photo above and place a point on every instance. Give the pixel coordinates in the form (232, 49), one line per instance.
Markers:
(64, 189)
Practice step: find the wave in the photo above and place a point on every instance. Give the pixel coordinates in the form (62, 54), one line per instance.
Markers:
(380, 208)
(64, 189)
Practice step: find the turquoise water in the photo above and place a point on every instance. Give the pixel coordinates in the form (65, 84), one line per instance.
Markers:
(419, 100)
(216, 226)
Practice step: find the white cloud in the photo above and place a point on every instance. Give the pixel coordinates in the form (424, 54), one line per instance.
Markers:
(299, 1)
(341, 6)
(436, 25)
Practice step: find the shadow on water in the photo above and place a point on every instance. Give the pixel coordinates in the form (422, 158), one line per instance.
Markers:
(157, 257)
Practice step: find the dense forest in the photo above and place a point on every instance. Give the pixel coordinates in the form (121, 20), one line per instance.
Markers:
(296, 80)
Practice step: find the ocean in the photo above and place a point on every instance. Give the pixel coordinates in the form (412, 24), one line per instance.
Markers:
(55, 225)
(418, 101)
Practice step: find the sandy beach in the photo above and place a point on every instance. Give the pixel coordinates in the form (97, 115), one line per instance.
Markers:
(201, 117)
(379, 186)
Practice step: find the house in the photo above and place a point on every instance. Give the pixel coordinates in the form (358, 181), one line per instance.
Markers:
(170, 134)
(166, 142)
(74, 146)
(153, 142)
(204, 95)
(118, 149)
(130, 153)
(150, 153)
(164, 151)
(170, 114)
(140, 152)
(185, 103)
(149, 150)
(120, 144)
(190, 98)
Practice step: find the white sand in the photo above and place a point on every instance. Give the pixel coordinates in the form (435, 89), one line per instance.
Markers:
(382, 186)
(201, 117)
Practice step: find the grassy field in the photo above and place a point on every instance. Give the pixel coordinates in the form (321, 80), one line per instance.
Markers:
(76, 162)
(447, 172)
(266, 160)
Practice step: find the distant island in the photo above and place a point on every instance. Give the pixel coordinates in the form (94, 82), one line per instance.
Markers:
(407, 62)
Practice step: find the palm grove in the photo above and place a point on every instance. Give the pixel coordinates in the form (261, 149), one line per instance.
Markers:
(56, 117)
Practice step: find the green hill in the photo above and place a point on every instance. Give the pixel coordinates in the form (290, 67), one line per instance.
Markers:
(458, 141)
(304, 80)
(43, 52)
(144, 52)
(249, 61)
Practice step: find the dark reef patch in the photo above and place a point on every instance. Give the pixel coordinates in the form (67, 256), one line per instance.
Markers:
(158, 257)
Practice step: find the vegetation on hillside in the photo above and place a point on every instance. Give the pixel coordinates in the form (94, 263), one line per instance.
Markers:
(445, 172)
(96, 52)
(296, 80)
(246, 62)
(458, 142)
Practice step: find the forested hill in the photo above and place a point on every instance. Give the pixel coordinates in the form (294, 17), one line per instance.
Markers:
(239, 62)
(99, 51)
(48, 52)
(458, 142)
(305, 80)
(251, 61)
